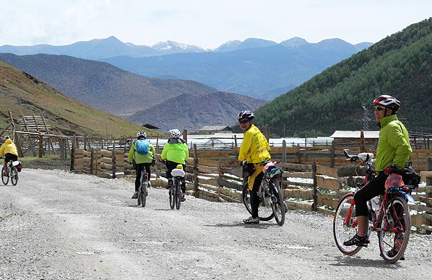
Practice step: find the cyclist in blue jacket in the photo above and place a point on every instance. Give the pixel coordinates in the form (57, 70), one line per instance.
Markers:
(142, 154)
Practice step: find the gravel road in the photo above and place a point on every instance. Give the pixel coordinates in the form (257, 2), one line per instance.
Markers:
(59, 225)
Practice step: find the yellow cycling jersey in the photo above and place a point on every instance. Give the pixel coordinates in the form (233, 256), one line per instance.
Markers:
(254, 148)
(8, 147)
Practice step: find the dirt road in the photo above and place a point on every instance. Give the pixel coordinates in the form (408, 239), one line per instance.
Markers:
(58, 225)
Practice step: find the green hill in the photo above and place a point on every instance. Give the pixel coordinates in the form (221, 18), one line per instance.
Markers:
(21, 92)
(399, 65)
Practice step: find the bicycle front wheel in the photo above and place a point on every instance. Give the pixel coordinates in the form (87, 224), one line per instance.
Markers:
(278, 205)
(395, 230)
(345, 224)
(5, 178)
(246, 198)
(265, 211)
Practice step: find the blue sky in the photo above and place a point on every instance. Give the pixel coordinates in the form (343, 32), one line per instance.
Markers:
(205, 23)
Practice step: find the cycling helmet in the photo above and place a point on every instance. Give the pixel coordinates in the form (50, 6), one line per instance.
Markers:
(245, 114)
(174, 133)
(388, 102)
(141, 134)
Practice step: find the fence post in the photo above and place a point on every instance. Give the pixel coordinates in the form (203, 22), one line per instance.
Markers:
(284, 151)
(113, 154)
(362, 142)
(72, 165)
(195, 170)
(40, 145)
(235, 141)
(91, 161)
(315, 188)
(185, 135)
(332, 154)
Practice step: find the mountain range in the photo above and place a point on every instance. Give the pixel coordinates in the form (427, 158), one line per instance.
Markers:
(255, 67)
(122, 93)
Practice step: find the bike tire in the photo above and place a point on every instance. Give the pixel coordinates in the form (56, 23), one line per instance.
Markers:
(246, 198)
(178, 196)
(139, 197)
(5, 179)
(395, 230)
(341, 231)
(171, 196)
(278, 205)
(144, 194)
(265, 212)
(14, 176)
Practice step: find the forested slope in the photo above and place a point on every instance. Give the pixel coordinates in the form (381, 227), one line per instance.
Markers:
(399, 65)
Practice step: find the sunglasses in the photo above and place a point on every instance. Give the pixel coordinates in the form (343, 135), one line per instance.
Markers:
(243, 121)
(379, 108)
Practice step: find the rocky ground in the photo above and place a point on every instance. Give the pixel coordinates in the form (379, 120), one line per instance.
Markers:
(59, 225)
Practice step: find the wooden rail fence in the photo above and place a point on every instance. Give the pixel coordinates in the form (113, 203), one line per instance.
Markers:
(214, 175)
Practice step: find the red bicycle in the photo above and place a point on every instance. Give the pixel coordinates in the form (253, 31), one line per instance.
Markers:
(389, 214)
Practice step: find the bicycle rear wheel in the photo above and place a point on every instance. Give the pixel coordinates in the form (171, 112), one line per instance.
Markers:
(278, 205)
(14, 176)
(395, 226)
(144, 193)
(172, 197)
(5, 179)
(178, 196)
(345, 224)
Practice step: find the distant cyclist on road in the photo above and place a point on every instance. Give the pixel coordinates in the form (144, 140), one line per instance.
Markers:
(393, 151)
(142, 153)
(10, 153)
(175, 152)
(255, 150)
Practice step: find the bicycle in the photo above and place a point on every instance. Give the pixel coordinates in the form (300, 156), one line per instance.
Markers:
(175, 192)
(143, 189)
(12, 173)
(271, 202)
(389, 214)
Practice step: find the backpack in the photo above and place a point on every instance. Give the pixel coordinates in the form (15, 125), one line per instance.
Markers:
(142, 147)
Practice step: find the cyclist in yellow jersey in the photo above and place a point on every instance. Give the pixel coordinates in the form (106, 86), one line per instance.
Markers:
(9, 151)
(255, 150)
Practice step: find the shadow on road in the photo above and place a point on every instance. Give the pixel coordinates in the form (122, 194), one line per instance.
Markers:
(240, 224)
(357, 261)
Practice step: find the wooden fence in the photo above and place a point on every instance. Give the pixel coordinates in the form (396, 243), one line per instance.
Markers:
(312, 185)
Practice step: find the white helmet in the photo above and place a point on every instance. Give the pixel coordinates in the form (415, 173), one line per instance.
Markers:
(174, 133)
(141, 134)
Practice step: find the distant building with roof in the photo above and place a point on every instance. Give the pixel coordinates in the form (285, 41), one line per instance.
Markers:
(349, 138)
(209, 129)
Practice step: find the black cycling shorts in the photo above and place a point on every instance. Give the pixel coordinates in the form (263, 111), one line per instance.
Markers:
(10, 157)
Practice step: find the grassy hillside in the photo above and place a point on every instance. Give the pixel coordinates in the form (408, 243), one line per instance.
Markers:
(399, 65)
(21, 92)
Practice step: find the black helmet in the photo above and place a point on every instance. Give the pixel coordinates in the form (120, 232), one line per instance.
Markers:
(245, 114)
(387, 101)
